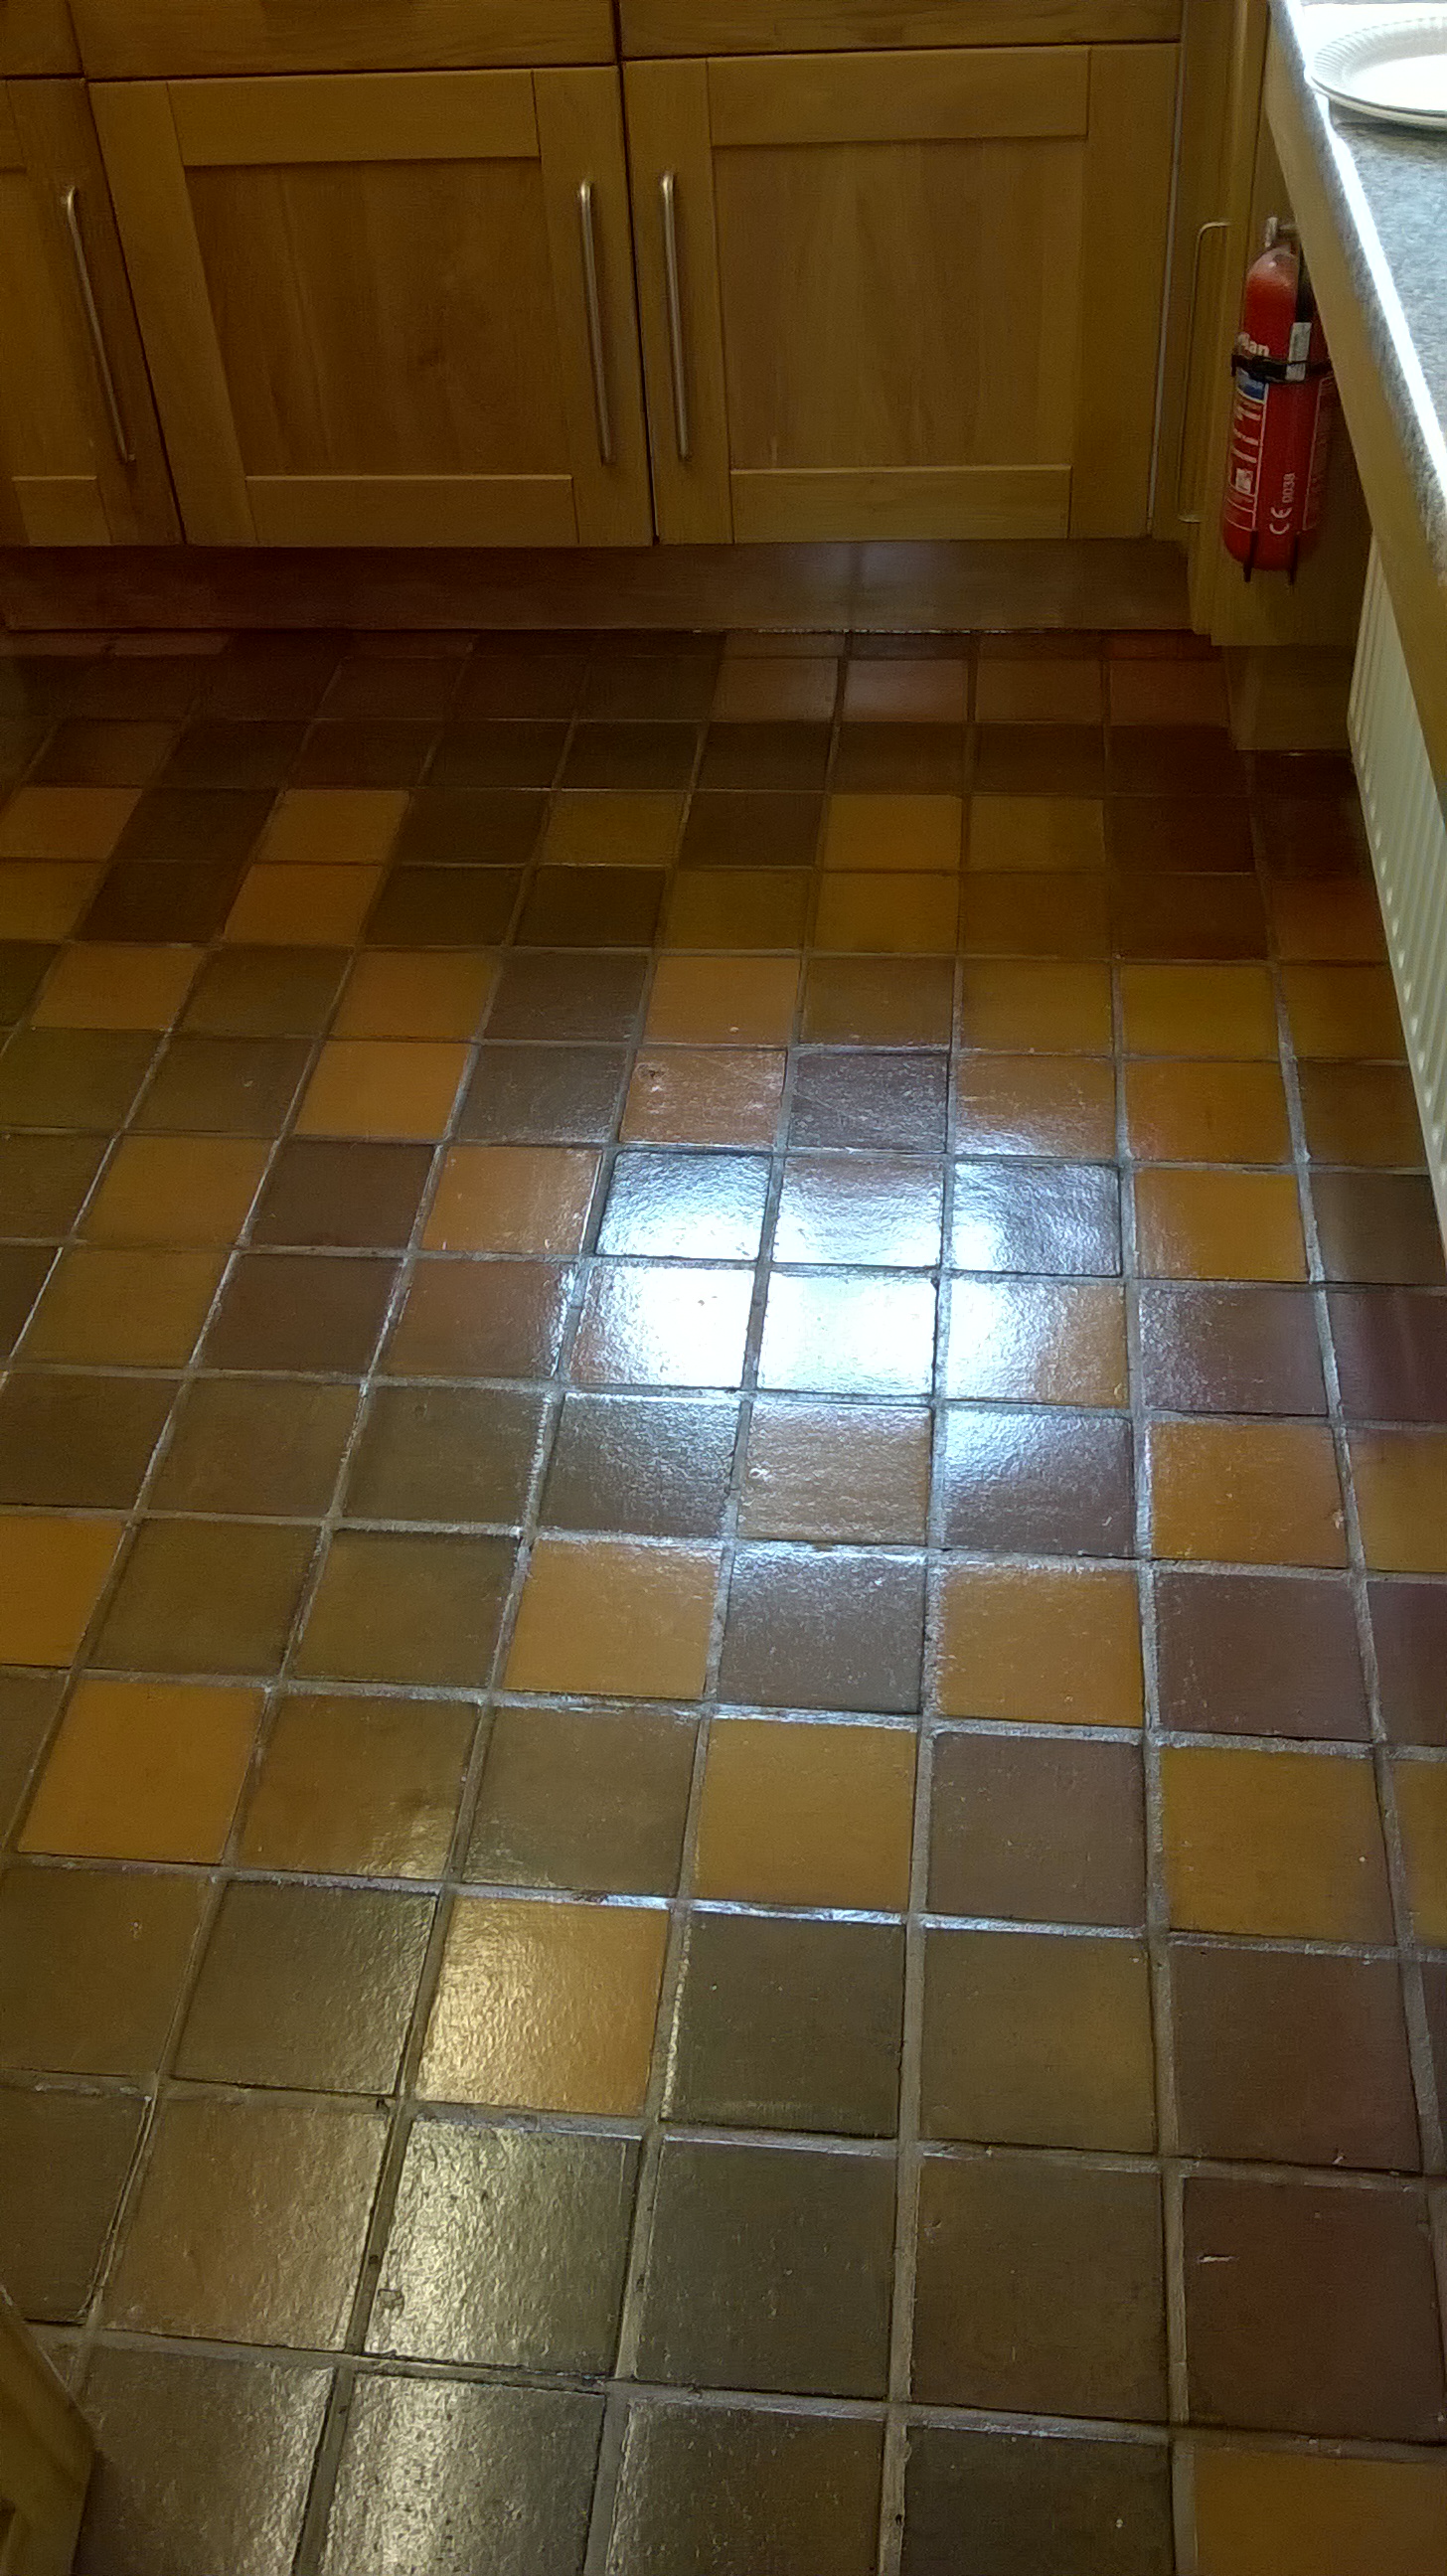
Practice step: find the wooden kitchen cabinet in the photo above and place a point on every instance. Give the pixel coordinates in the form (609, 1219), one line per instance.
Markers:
(911, 294)
(80, 457)
(366, 302)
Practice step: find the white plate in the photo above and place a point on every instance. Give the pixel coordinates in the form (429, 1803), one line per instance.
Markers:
(1395, 71)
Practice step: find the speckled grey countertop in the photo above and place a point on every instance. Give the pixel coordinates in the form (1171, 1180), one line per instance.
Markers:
(1387, 187)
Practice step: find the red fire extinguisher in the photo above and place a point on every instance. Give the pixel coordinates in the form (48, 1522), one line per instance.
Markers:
(1282, 417)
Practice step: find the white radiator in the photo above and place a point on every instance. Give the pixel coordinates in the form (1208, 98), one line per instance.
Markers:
(1408, 837)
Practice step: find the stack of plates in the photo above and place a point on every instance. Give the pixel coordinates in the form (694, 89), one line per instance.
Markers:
(1395, 70)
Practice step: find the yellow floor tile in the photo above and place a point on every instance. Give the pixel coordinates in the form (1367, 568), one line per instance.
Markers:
(921, 833)
(1053, 1008)
(1287, 1846)
(116, 988)
(65, 822)
(124, 1308)
(51, 1572)
(1010, 833)
(44, 899)
(145, 1771)
(545, 2007)
(1422, 1807)
(612, 1618)
(1198, 1010)
(350, 827)
(1246, 1493)
(1295, 2513)
(416, 993)
(807, 1814)
(1218, 1225)
(382, 1087)
(712, 1001)
(1401, 1487)
(177, 1190)
(1057, 1645)
(512, 1198)
(593, 829)
(302, 907)
(888, 915)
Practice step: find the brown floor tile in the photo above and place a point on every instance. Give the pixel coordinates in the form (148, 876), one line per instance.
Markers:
(853, 1097)
(1174, 760)
(1053, 1644)
(443, 907)
(444, 1454)
(537, 685)
(144, 1771)
(1021, 1104)
(543, 1095)
(1027, 2502)
(644, 756)
(342, 1196)
(151, 900)
(415, 994)
(52, 1570)
(1003, 916)
(471, 827)
(65, 2157)
(596, 828)
(536, 2231)
(877, 1209)
(381, 752)
(706, 1207)
(1030, 1829)
(1378, 1226)
(1060, 1009)
(1038, 2039)
(769, 2267)
(778, 688)
(82, 1078)
(614, 1618)
(1032, 1482)
(1218, 1225)
(836, 1471)
(1401, 1487)
(99, 751)
(1409, 1627)
(709, 2481)
(520, 2459)
(193, 826)
(842, 1631)
(124, 1308)
(653, 1467)
(1205, 918)
(362, 1787)
(693, 1096)
(587, 1799)
(292, 1310)
(1342, 1011)
(238, 1086)
(747, 908)
(1042, 759)
(1258, 1654)
(116, 988)
(1017, 1217)
(1223, 1011)
(925, 692)
(1312, 837)
(1038, 1341)
(837, 1334)
(885, 833)
(1206, 1113)
(806, 1814)
(44, 1181)
(643, 1325)
(751, 1986)
(198, 2454)
(878, 1002)
(1039, 2287)
(407, 1609)
(43, 899)
(1360, 1113)
(918, 758)
(64, 822)
(1337, 918)
(76, 1442)
(545, 2007)
(250, 2222)
(1011, 833)
(658, 686)
(480, 1319)
(592, 908)
(1391, 1350)
(1038, 692)
(1286, 2513)
(91, 1964)
(305, 1987)
(22, 1275)
(176, 1190)
(752, 828)
(1286, 2058)
(887, 915)
(1344, 2277)
(404, 687)
(1422, 1805)
(255, 1445)
(1230, 1350)
(1284, 1845)
(219, 752)
(1168, 693)
(206, 1597)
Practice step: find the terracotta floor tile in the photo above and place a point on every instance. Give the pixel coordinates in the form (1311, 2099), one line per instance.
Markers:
(1036, 692)
(1206, 1113)
(358, 1787)
(384, 752)
(29, 1704)
(1056, 1645)
(1284, 1845)
(1360, 1113)
(776, 688)
(305, 1986)
(333, 827)
(878, 1002)
(225, 753)
(1198, 1010)
(511, 1198)
(1037, 1829)
(803, 2487)
(837, 1334)
(64, 822)
(1058, 1009)
(176, 1190)
(1039, 2287)
(52, 1571)
(592, 828)
(598, 907)
(1246, 1493)
(527, 683)
(296, 1311)
(640, 756)
(545, 2007)
(887, 914)
(1022, 1104)
(472, 827)
(1259, 1654)
(1219, 1225)
(1039, 758)
(806, 1814)
(1035, 832)
(444, 907)
(150, 901)
(1036, 2498)
(1342, 1010)
(206, 1597)
(1034, 917)
(1345, 2277)
(480, 1318)
(876, 1209)
(144, 1771)
(191, 2443)
(98, 751)
(407, 1608)
(1168, 693)
(1037, 2039)
(261, 1445)
(250, 2222)
(1201, 918)
(614, 1618)
(381, 1087)
(749, 908)
(126, 1307)
(91, 1964)
(445, 1454)
(656, 1467)
(1290, 2513)
(1391, 1350)
(1189, 759)
(302, 905)
(589, 1799)
(749, 1984)
(697, 1096)
(1038, 1341)
(417, 994)
(719, 1001)
(921, 758)
(116, 988)
(893, 832)
(1283, 2057)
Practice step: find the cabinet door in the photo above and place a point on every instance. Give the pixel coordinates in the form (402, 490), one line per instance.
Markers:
(80, 457)
(903, 295)
(388, 308)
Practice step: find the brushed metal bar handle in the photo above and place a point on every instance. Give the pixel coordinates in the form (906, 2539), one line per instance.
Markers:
(594, 308)
(70, 203)
(1192, 518)
(668, 201)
